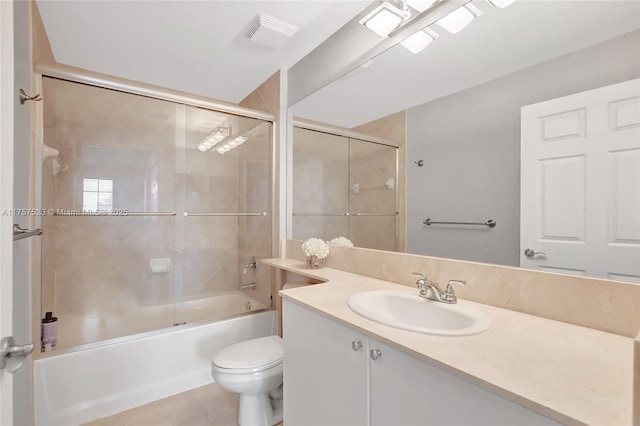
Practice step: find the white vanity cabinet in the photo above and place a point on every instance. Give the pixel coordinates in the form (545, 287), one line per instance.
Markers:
(330, 380)
(326, 380)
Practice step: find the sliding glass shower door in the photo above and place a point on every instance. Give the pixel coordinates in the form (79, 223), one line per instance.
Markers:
(152, 210)
(344, 187)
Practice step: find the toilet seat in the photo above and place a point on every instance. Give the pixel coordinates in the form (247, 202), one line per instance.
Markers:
(250, 356)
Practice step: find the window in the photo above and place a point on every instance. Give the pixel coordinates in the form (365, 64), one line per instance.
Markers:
(97, 195)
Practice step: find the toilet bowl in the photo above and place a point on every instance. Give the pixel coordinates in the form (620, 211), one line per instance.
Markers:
(253, 369)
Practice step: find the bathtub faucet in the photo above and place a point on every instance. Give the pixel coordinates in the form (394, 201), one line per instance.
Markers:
(253, 265)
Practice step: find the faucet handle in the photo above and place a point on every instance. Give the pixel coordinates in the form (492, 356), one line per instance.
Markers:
(449, 288)
(422, 279)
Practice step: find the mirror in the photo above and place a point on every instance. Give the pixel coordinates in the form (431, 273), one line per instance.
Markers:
(462, 96)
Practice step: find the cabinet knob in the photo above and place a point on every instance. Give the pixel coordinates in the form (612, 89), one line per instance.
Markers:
(375, 354)
(356, 345)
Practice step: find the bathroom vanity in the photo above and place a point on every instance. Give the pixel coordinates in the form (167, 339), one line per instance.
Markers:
(341, 368)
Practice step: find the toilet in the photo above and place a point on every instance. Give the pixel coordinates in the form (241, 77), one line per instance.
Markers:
(253, 369)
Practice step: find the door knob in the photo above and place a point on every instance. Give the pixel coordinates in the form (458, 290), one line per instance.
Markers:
(531, 252)
(11, 355)
(356, 345)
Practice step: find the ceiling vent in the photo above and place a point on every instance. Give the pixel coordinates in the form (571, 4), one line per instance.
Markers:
(270, 32)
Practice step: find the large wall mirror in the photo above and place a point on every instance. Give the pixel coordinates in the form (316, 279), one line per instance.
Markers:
(463, 96)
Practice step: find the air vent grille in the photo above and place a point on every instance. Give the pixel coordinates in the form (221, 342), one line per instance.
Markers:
(269, 31)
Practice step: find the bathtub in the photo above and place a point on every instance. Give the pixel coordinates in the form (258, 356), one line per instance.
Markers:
(77, 386)
(76, 330)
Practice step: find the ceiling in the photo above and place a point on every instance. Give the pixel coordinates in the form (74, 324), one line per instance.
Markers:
(199, 47)
(193, 46)
(499, 42)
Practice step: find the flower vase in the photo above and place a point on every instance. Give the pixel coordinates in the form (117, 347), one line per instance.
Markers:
(313, 262)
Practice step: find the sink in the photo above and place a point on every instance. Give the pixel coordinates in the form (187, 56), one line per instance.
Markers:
(408, 311)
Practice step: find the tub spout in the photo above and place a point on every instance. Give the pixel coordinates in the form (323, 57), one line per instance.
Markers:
(249, 286)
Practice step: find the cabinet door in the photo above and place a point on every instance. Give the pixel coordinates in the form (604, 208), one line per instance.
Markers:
(325, 379)
(408, 392)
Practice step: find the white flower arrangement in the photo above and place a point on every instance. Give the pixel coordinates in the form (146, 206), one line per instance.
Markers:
(315, 247)
(340, 242)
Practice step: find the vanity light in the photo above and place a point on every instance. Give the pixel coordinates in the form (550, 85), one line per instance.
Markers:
(422, 5)
(418, 41)
(383, 19)
(501, 3)
(459, 18)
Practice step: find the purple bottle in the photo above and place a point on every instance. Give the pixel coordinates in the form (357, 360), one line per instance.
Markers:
(49, 332)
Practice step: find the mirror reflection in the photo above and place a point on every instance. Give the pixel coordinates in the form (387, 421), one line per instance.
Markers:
(462, 99)
(345, 187)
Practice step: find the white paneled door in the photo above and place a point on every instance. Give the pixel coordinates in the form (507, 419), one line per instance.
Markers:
(580, 184)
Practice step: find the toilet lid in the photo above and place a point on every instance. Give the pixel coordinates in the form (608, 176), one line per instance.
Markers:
(255, 353)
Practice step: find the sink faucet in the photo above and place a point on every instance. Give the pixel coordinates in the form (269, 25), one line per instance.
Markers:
(431, 290)
(253, 265)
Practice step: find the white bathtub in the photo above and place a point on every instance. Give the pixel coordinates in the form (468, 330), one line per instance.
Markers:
(77, 387)
(78, 329)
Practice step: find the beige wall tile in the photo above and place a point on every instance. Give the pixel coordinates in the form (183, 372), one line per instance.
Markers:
(604, 305)
(266, 97)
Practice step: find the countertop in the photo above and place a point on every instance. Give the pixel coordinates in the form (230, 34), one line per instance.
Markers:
(569, 373)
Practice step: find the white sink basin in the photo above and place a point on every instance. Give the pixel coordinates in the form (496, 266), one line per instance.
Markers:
(408, 311)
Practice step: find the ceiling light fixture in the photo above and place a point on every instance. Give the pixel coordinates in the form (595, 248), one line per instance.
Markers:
(501, 3)
(419, 40)
(213, 138)
(458, 19)
(234, 143)
(384, 19)
(422, 5)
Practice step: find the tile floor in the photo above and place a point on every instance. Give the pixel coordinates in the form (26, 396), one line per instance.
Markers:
(204, 406)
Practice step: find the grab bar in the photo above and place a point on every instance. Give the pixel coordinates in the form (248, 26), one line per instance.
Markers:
(111, 214)
(224, 214)
(343, 214)
(489, 223)
(320, 214)
(21, 233)
(375, 214)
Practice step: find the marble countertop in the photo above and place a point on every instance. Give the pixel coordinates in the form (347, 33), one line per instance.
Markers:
(570, 373)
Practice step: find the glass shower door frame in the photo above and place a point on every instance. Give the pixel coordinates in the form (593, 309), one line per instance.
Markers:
(134, 88)
(302, 124)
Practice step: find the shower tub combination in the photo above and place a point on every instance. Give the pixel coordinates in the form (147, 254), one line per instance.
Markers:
(155, 202)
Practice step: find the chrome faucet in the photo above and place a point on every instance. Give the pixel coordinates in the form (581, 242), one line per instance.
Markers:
(253, 265)
(431, 290)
